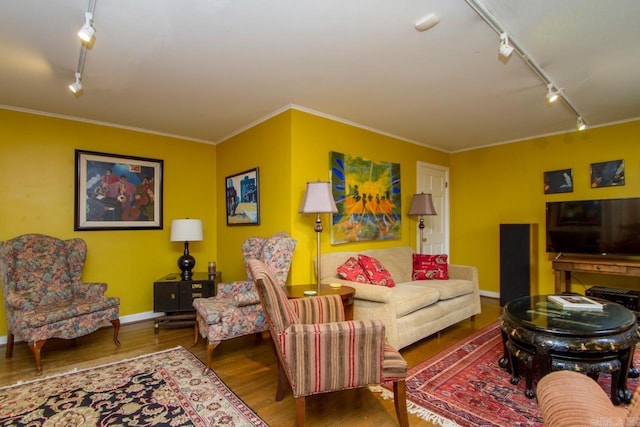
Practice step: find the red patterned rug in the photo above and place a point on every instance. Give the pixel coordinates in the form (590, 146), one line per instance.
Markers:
(164, 388)
(464, 385)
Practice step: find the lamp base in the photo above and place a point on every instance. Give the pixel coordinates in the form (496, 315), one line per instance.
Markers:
(186, 262)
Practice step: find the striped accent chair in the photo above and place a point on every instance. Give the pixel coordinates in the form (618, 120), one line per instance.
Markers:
(44, 296)
(319, 352)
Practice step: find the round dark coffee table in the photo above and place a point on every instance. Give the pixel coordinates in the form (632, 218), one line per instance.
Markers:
(547, 337)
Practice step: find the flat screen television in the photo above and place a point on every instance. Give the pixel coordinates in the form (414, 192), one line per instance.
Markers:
(595, 227)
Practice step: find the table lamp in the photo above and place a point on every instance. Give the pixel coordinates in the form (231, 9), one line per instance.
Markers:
(422, 204)
(318, 199)
(186, 230)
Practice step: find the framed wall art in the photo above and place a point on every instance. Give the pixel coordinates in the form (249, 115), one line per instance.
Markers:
(117, 192)
(607, 174)
(560, 181)
(243, 198)
(367, 195)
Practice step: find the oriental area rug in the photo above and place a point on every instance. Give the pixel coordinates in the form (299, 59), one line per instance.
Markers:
(164, 388)
(465, 386)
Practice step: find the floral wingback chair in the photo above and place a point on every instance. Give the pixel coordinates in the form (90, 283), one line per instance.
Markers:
(235, 310)
(44, 295)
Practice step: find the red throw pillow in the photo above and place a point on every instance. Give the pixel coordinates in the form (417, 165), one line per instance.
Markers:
(430, 267)
(377, 274)
(352, 270)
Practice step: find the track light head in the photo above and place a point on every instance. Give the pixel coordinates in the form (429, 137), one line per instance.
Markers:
(581, 125)
(76, 87)
(552, 94)
(505, 49)
(88, 32)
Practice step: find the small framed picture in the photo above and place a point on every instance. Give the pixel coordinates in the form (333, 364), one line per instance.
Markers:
(560, 181)
(117, 192)
(607, 174)
(243, 198)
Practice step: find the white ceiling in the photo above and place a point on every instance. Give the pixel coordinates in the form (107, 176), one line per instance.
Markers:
(206, 69)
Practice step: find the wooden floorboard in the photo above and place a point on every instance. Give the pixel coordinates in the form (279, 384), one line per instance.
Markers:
(246, 364)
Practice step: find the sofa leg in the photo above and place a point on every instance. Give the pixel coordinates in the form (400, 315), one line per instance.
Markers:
(116, 329)
(400, 402)
(8, 354)
(300, 410)
(36, 347)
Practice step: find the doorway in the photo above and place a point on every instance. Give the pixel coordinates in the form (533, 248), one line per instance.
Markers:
(434, 179)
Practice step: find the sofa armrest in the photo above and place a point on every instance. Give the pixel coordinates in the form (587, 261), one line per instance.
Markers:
(366, 291)
(464, 272)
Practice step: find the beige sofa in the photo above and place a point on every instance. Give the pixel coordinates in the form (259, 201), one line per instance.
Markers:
(411, 310)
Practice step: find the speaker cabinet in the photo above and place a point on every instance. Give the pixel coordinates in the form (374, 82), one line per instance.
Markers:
(518, 261)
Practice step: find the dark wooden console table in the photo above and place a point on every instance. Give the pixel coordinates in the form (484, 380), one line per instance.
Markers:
(565, 266)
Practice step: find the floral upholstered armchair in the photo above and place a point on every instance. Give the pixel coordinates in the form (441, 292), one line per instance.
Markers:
(236, 310)
(44, 295)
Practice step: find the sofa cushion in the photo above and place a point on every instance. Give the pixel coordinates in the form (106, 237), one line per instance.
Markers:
(377, 274)
(449, 289)
(352, 270)
(429, 267)
(409, 298)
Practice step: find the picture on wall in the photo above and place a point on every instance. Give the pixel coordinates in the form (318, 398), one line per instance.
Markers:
(116, 192)
(367, 195)
(243, 198)
(607, 174)
(560, 181)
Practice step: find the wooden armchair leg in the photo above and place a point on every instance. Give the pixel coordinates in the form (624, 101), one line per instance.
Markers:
(196, 333)
(300, 410)
(400, 402)
(210, 347)
(283, 383)
(36, 347)
(8, 354)
(116, 329)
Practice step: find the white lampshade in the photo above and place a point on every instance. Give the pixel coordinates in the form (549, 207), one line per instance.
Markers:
(422, 204)
(186, 230)
(318, 198)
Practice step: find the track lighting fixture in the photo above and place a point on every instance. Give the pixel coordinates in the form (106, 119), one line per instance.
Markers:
(76, 87)
(505, 48)
(581, 125)
(88, 32)
(552, 94)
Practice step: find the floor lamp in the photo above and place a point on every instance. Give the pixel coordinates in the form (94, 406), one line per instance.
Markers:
(317, 200)
(186, 230)
(422, 204)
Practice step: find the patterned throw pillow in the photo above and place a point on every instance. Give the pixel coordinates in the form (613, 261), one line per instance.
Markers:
(430, 267)
(352, 270)
(377, 274)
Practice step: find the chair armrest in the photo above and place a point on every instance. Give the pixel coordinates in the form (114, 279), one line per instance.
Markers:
(20, 301)
(349, 353)
(91, 291)
(239, 293)
(568, 398)
(318, 309)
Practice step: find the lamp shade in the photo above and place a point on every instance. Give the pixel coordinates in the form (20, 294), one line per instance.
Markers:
(318, 198)
(422, 204)
(186, 230)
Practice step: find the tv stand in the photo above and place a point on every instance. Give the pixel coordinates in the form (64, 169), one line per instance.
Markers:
(565, 266)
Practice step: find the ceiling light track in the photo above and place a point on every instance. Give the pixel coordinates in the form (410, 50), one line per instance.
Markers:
(508, 45)
(87, 37)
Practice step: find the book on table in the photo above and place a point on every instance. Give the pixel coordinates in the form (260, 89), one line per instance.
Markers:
(575, 302)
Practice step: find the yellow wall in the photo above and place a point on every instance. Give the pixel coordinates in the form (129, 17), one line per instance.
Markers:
(266, 146)
(504, 184)
(37, 176)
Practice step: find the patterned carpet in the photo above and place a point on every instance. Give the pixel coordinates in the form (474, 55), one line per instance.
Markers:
(164, 388)
(464, 385)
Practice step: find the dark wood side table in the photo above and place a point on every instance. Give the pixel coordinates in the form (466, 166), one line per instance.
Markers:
(347, 294)
(174, 297)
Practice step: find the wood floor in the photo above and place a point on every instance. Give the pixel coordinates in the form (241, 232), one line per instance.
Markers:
(247, 365)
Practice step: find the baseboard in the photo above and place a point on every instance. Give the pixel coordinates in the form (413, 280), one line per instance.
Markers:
(489, 294)
(123, 320)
